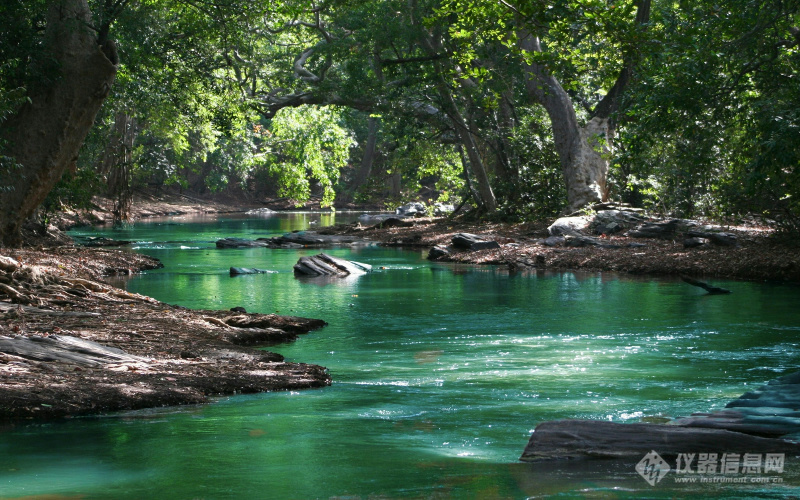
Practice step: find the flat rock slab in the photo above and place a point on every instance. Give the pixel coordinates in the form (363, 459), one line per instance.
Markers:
(468, 241)
(561, 439)
(240, 243)
(327, 265)
(66, 349)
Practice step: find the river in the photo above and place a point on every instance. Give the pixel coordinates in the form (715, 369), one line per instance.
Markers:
(440, 374)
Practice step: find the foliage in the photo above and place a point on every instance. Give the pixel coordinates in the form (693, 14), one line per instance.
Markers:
(538, 191)
(305, 145)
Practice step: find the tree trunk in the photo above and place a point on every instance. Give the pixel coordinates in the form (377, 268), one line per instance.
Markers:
(582, 150)
(47, 132)
(365, 169)
(117, 159)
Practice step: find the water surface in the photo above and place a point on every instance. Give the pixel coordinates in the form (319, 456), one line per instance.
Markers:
(440, 374)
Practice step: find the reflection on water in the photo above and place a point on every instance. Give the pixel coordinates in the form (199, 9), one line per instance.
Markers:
(440, 374)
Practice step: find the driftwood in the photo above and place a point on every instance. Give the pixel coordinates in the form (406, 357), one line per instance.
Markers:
(712, 290)
(592, 438)
(6, 307)
(65, 349)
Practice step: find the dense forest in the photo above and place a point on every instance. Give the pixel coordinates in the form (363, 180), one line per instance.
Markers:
(520, 109)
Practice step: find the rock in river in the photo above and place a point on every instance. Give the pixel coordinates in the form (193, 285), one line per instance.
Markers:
(327, 265)
(235, 271)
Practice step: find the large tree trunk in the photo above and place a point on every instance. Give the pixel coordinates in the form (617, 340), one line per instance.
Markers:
(582, 150)
(46, 134)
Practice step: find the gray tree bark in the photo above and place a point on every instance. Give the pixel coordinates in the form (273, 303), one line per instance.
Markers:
(583, 150)
(47, 132)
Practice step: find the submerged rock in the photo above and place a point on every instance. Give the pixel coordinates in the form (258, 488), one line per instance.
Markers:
(327, 265)
(235, 271)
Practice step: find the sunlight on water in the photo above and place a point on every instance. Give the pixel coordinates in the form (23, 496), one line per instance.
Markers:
(440, 374)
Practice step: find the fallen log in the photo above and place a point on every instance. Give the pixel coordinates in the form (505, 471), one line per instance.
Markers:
(6, 307)
(66, 349)
(712, 290)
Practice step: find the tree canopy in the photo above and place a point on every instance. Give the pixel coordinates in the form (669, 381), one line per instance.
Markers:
(521, 109)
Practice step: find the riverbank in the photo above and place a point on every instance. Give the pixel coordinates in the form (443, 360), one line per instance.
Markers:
(167, 355)
(758, 254)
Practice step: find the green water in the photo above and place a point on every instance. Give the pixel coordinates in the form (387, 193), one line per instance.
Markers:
(440, 374)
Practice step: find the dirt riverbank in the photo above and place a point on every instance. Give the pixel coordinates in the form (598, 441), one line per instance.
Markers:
(172, 355)
(759, 255)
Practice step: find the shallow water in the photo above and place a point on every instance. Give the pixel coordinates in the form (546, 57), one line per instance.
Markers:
(440, 374)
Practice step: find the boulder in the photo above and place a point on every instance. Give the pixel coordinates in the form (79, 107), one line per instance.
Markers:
(570, 439)
(412, 209)
(235, 271)
(327, 265)
(614, 221)
(468, 241)
(661, 230)
(438, 252)
(569, 225)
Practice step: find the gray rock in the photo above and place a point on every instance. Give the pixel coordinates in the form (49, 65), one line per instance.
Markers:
(468, 241)
(717, 238)
(327, 265)
(569, 225)
(554, 241)
(694, 242)
(614, 221)
(235, 271)
(662, 230)
(581, 241)
(414, 208)
(438, 252)
(374, 218)
(240, 243)
(261, 211)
